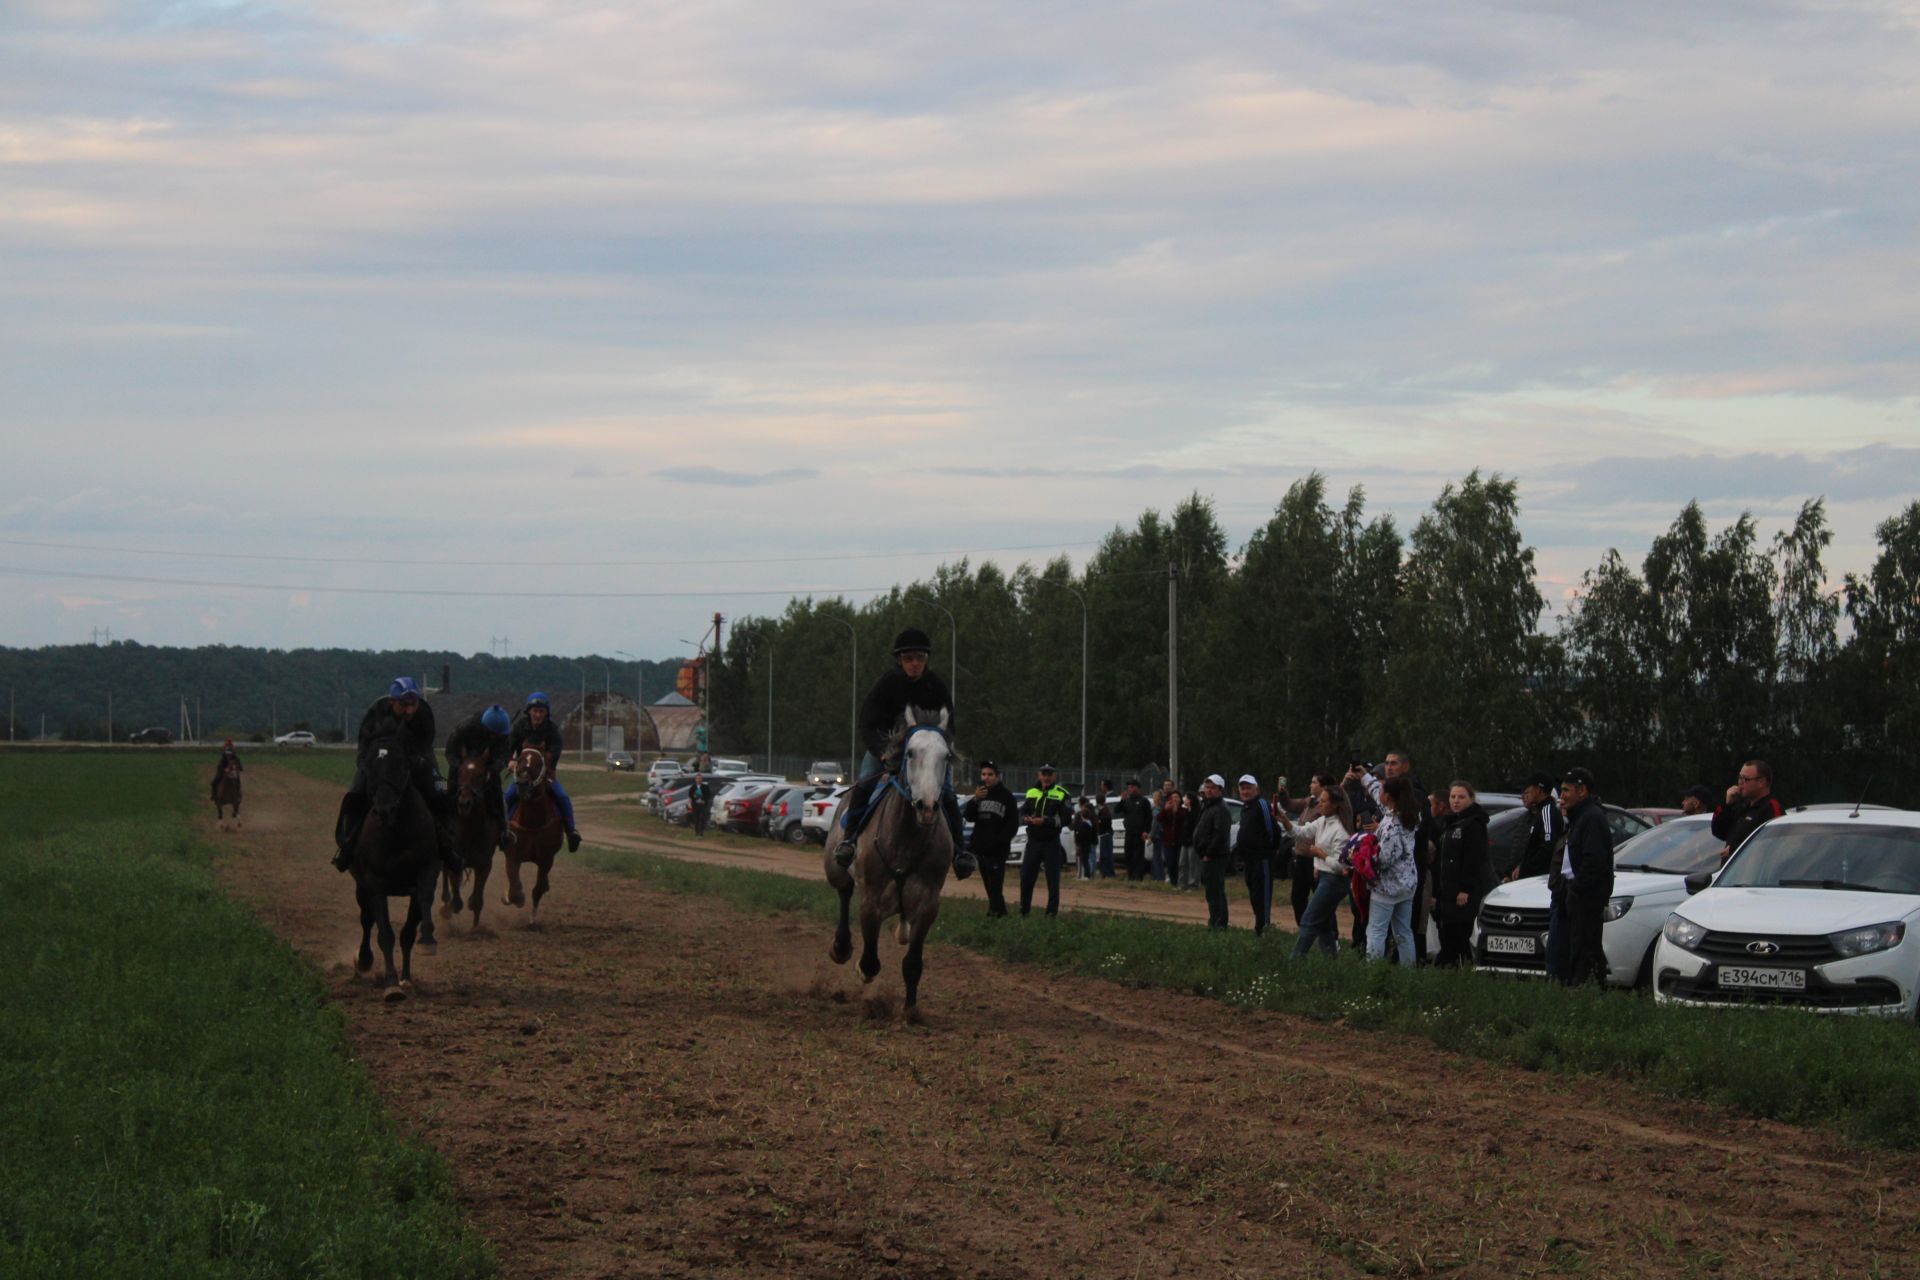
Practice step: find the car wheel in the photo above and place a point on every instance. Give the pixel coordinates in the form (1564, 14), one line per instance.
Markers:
(797, 834)
(1644, 981)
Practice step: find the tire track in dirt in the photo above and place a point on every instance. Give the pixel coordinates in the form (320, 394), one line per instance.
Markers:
(652, 1085)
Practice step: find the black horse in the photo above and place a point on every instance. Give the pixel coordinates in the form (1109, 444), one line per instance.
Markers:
(396, 855)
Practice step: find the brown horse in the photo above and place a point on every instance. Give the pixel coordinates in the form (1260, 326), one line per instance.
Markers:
(226, 795)
(397, 855)
(536, 826)
(475, 832)
(903, 855)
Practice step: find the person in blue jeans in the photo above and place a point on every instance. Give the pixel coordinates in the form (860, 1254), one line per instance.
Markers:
(1324, 837)
(1103, 823)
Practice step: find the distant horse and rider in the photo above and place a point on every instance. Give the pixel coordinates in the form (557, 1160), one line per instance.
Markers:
(226, 785)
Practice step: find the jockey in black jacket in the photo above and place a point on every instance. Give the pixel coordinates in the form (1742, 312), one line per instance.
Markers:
(534, 727)
(485, 733)
(402, 714)
(228, 756)
(910, 684)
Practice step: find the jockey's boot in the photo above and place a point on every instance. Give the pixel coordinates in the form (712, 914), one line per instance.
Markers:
(573, 840)
(844, 851)
(507, 838)
(342, 857)
(964, 863)
(855, 806)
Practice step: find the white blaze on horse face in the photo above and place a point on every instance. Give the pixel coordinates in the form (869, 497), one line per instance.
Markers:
(926, 767)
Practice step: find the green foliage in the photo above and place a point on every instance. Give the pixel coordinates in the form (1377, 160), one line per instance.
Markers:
(175, 1093)
(1856, 1076)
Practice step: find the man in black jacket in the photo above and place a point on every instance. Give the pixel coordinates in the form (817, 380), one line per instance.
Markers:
(1257, 839)
(1212, 832)
(1103, 832)
(995, 816)
(1545, 826)
(1136, 825)
(911, 683)
(1046, 810)
(405, 715)
(1750, 805)
(534, 727)
(1587, 871)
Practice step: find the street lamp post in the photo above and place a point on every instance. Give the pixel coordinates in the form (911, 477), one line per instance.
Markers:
(639, 700)
(769, 644)
(606, 705)
(1078, 595)
(953, 673)
(583, 708)
(853, 693)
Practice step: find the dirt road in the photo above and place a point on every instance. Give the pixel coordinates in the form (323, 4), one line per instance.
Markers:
(650, 1085)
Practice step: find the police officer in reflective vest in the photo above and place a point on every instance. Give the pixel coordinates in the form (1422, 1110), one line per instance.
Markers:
(1044, 812)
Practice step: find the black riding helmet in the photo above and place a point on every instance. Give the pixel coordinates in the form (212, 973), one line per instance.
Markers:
(912, 640)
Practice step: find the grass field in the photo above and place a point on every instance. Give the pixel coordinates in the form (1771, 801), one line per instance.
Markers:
(337, 767)
(1857, 1076)
(174, 1091)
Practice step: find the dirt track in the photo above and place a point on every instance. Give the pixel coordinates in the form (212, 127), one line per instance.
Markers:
(650, 1085)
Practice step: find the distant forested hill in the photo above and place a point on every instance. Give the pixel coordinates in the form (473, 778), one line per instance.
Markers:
(241, 692)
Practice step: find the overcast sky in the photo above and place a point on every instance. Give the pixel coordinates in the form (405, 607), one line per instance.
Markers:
(690, 298)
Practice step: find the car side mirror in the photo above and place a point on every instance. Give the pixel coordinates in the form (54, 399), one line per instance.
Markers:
(1698, 881)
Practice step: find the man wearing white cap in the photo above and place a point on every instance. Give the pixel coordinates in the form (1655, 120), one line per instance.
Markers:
(1255, 844)
(1211, 835)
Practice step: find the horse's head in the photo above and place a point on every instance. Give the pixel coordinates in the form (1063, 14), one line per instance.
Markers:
(472, 780)
(389, 774)
(924, 751)
(529, 767)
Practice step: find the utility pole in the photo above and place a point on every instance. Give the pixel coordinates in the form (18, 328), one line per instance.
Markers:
(109, 715)
(1173, 672)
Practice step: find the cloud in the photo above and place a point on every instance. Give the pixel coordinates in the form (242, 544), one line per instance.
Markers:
(1777, 480)
(735, 479)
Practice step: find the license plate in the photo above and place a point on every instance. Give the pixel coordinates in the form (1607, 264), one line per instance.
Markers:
(1756, 979)
(1508, 944)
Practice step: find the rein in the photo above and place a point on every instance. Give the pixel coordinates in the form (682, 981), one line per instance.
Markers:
(920, 838)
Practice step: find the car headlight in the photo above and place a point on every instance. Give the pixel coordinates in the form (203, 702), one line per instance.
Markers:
(1864, 942)
(1617, 907)
(1682, 932)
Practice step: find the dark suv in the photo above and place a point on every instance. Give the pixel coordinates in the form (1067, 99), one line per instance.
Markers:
(153, 737)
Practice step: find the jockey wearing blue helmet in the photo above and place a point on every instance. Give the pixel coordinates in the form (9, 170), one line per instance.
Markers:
(534, 727)
(405, 715)
(484, 733)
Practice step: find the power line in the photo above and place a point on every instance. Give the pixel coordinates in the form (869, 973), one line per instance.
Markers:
(528, 564)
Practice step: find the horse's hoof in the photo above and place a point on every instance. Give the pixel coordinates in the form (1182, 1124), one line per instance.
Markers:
(394, 995)
(363, 964)
(429, 948)
(839, 954)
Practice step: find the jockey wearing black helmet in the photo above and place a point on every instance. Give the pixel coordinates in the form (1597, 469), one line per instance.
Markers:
(485, 732)
(534, 727)
(402, 714)
(229, 758)
(911, 683)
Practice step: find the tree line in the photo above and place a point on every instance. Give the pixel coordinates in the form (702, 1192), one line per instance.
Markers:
(243, 693)
(1331, 634)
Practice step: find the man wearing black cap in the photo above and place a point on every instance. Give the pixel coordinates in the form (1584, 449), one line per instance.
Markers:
(1587, 877)
(1695, 799)
(995, 816)
(1045, 811)
(1212, 833)
(910, 684)
(1545, 827)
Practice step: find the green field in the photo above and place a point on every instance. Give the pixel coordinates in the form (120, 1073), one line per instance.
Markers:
(1856, 1076)
(174, 1089)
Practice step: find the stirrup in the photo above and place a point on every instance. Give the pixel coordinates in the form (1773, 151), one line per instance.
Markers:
(844, 851)
(964, 863)
(573, 842)
(507, 838)
(342, 858)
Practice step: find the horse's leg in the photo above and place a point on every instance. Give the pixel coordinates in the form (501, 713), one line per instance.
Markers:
(364, 960)
(477, 898)
(540, 884)
(418, 904)
(870, 917)
(383, 913)
(918, 911)
(515, 895)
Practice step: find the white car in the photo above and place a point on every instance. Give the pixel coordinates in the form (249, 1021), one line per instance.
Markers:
(298, 738)
(663, 771)
(1649, 880)
(819, 811)
(1818, 909)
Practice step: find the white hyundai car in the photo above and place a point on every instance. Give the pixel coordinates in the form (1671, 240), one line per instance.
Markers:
(1649, 880)
(1818, 909)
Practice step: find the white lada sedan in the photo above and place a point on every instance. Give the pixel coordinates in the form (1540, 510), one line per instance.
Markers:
(1649, 880)
(1818, 909)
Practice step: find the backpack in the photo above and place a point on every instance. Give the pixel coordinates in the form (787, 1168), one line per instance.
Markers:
(1362, 849)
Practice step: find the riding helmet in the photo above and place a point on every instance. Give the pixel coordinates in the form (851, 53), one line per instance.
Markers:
(403, 687)
(539, 699)
(912, 640)
(495, 719)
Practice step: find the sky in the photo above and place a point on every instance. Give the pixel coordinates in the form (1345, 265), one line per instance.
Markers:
(569, 325)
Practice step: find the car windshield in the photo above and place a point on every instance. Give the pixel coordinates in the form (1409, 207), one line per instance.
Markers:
(1677, 848)
(1828, 855)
